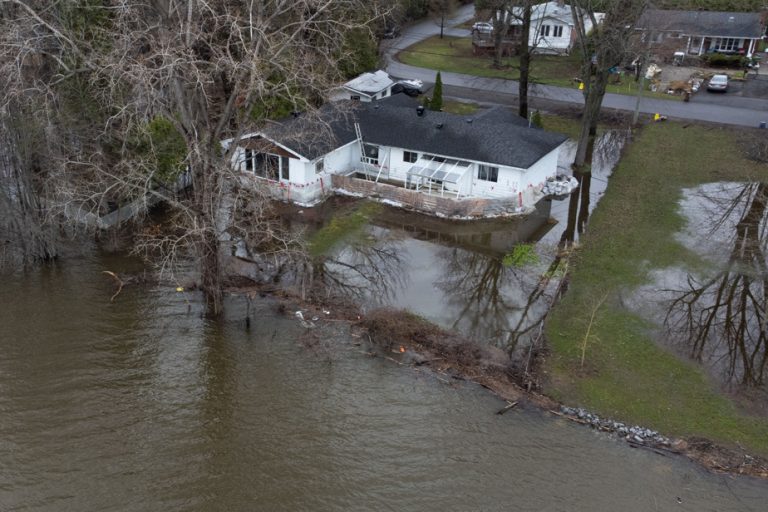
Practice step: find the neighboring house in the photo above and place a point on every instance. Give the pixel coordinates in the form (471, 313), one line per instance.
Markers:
(393, 149)
(369, 86)
(552, 27)
(701, 32)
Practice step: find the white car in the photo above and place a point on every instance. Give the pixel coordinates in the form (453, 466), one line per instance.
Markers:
(483, 26)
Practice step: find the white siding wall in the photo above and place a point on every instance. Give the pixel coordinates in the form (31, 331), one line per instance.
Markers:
(545, 168)
(342, 159)
(508, 184)
(397, 168)
(297, 171)
(544, 43)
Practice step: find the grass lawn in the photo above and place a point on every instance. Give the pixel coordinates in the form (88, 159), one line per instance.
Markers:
(626, 374)
(454, 54)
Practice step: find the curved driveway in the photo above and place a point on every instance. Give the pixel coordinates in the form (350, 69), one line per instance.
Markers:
(739, 111)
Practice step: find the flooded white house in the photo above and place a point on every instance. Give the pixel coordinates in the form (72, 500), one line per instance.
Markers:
(487, 164)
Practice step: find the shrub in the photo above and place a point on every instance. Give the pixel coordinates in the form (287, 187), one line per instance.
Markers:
(720, 60)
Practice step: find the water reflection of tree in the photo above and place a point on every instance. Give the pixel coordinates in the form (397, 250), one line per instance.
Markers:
(369, 268)
(484, 286)
(724, 315)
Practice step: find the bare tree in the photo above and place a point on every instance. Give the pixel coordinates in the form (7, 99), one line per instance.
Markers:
(205, 66)
(513, 19)
(441, 11)
(26, 233)
(602, 47)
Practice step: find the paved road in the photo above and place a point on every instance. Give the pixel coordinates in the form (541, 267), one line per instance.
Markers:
(731, 110)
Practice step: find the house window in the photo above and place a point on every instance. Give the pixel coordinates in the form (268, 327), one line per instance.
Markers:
(725, 44)
(265, 165)
(487, 173)
(371, 154)
(248, 160)
(320, 166)
(544, 31)
(557, 31)
(284, 168)
(410, 156)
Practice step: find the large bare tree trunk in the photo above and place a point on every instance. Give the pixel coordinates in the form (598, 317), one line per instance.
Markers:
(525, 61)
(602, 46)
(595, 92)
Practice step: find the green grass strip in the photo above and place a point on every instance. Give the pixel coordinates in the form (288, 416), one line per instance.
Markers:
(626, 374)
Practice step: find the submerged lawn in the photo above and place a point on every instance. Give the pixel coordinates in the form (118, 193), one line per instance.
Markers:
(454, 54)
(626, 375)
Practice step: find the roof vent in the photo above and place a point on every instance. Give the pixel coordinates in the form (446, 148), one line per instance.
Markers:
(420, 110)
(469, 121)
(376, 106)
(731, 19)
(439, 126)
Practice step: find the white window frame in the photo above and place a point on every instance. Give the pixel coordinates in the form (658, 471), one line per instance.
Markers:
(727, 44)
(544, 31)
(557, 31)
(488, 173)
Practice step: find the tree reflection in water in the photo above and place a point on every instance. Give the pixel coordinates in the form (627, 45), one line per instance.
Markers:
(722, 317)
(499, 304)
(368, 268)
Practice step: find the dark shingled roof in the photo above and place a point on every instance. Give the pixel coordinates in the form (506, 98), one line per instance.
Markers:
(496, 136)
(704, 23)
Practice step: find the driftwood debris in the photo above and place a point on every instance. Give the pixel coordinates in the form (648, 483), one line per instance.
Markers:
(510, 405)
(117, 280)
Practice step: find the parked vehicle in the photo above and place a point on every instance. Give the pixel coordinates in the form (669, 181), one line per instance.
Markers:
(483, 26)
(411, 87)
(718, 83)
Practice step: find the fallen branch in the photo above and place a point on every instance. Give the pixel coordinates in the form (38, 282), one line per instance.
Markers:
(119, 283)
(510, 405)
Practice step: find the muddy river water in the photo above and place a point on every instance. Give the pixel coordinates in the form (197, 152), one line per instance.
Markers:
(142, 405)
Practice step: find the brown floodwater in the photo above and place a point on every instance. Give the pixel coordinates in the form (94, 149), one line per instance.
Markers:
(142, 405)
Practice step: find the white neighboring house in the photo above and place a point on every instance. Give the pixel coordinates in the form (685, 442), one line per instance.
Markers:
(552, 27)
(395, 144)
(369, 86)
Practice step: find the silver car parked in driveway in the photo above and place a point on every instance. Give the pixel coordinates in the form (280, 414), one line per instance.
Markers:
(718, 83)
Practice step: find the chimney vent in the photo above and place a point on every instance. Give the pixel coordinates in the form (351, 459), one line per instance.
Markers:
(420, 110)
